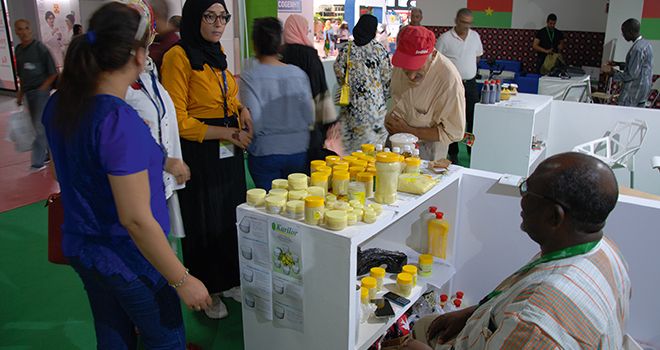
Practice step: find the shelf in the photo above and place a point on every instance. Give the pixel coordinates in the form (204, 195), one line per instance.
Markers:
(534, 155)
(374, 327)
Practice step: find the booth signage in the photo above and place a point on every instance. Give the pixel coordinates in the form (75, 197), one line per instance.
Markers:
(289, 6)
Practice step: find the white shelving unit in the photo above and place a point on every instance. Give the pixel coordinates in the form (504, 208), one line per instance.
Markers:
(329, 272)
(518, 120)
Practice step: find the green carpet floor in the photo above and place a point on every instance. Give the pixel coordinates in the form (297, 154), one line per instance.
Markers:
(44, 306)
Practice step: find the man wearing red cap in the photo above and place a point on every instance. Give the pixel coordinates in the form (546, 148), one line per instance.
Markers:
(428, 94)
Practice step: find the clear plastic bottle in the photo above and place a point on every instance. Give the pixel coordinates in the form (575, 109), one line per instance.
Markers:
(396, 150)
(438, 232)
(379, 148)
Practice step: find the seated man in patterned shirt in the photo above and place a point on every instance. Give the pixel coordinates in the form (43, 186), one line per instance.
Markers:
(574, 294)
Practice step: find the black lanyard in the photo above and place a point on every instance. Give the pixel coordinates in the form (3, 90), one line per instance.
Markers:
(161, 111)
(224, 90)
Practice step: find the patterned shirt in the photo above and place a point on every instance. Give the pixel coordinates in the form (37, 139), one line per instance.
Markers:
(580, 302)
(637, 78)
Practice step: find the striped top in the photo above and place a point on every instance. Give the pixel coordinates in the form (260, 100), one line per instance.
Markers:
(580, 302)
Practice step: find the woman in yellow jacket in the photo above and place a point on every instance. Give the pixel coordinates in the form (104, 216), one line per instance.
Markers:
(214, 130)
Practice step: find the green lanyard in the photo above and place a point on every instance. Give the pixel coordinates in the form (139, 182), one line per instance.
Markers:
(557, 255)
(551, 36)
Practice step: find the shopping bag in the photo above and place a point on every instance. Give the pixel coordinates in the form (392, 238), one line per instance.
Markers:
(55, 221)
(343, 94)
(21, 132)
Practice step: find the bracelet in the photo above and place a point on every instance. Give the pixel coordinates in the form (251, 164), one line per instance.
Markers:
(180, 282)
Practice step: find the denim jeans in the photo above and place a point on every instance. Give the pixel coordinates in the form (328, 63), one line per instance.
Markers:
(119, 307)
(36, 101)
(265, 169)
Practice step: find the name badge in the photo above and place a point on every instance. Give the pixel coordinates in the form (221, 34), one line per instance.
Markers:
(226, 149)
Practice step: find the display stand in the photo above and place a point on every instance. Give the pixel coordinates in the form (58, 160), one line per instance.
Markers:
(510, 151)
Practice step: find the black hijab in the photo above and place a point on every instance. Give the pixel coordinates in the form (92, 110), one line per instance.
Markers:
(199, 50)
(365, 30)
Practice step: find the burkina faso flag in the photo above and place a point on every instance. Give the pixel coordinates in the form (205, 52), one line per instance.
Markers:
(651, 19)
(491, 13)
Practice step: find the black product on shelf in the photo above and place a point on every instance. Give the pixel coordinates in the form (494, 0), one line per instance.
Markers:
(376, 257)
(396, 298)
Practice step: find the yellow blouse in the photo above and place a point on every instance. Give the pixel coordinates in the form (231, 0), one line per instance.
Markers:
(196, 94)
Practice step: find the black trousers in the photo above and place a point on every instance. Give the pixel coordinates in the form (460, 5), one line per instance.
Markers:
(471, 97)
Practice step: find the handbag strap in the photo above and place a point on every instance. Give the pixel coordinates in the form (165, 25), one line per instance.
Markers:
(348, 63)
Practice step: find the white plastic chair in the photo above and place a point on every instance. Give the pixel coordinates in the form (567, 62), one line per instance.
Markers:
(580, 92)
(617, 148)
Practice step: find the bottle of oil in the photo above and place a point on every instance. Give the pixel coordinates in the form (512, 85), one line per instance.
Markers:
(438, 230)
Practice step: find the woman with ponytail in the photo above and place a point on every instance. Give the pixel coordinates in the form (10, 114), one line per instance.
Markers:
(110, 172)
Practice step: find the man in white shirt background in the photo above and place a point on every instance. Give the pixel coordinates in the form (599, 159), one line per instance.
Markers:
(462, 46)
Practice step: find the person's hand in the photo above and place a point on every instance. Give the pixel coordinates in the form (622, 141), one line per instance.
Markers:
(447, 326)
(549, 51)
(606, 68)
(179, 169)
(395, 124)
(240, 138)
(194, 294)
(246, 121)
(412, 344)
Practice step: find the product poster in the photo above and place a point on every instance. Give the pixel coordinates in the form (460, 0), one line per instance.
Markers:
(287, 267)
(56, 20)
(7, 80)
(255, 268)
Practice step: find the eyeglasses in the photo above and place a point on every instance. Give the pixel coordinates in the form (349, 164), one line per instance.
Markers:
(525, 191)
(210, 18)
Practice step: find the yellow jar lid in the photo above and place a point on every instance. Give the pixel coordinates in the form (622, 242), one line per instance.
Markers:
(364, 294)
(316, 163)
(324, 169)
(295, 206)
(376, 207)
(368, 147)
(411, 269)
(412, 161)
(280, 183)
(314, 202)
(316, 191)
(370, 282)
(341, 175)
(276, 200)
(426, 259)
(372, 170)
(387, 157)
(360, 163)
(354, 170)
(364, 177)
(340, 167)
(404, 278)
(278, 192)
(319, 176)
(330, 160)
(349, 159)
(377, 272)
(256, 193)
(297, 178)
(370, 159)
(341, 162)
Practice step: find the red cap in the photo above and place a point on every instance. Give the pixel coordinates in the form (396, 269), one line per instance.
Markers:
(459, 294)
(443, 297)
(439, 215)
(433, 209)
(414, 46)
(457, 302)
(497, 81)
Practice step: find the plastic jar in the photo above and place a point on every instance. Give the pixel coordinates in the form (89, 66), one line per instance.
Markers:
(349, 159)
(255, 197)
(368, 180)
(320, 179)
(279, 192)
(297, 181)
(359, 214)
(425, 265)
(412, 165)
(340, 167)
(351, 218)
(387, 178)
(330, 160)
(313, 210)
(336, 220)
(317, 191)
(402, 139)
(330, 199)
(295, 209)
(297, 195)
(340, 180)
(404, 281)
(315, 164)
(369, 216)
(341, 163)
(368, 148)
(280, 184)
(340, 205)
(379, 274)
(377, 208)
(356, 191)
(412, 270)
(275, 204)
(371, 285)
(364, 296)
(354, 170)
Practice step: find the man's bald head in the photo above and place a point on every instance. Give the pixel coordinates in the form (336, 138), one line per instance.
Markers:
(586, 185)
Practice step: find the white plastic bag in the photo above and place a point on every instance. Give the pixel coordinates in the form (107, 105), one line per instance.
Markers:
(21, 132)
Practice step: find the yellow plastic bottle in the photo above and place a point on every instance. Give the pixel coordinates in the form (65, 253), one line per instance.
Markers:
(438, 230)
